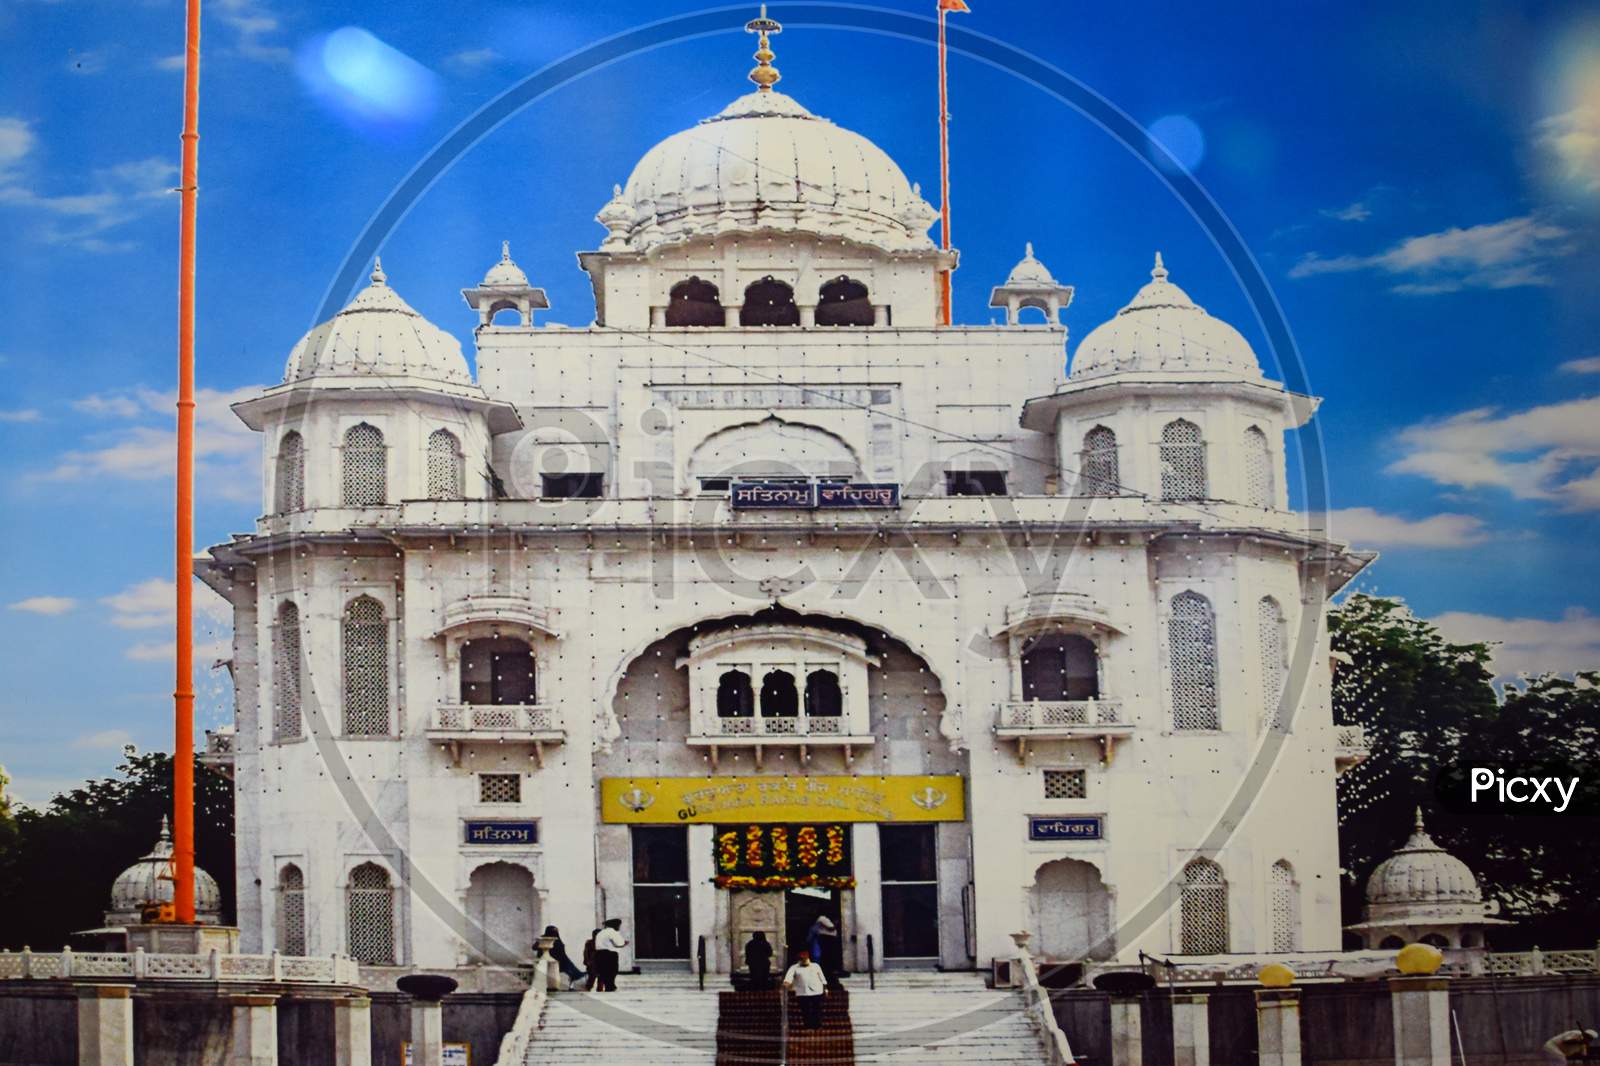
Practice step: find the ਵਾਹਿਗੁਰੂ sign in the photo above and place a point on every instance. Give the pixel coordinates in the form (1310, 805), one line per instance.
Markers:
(838, 798)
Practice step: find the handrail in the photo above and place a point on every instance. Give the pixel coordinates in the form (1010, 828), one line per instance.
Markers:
(514, 1045)
(1036, 999)
(700, 955)
(872, 977)
(783, 1026)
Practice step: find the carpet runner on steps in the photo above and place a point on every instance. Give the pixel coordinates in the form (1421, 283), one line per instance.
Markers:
(749, 1024)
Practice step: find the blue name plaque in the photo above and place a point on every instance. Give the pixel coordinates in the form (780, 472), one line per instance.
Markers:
(1088, 828)
(773, 496)
(858, 495)
(502, 833)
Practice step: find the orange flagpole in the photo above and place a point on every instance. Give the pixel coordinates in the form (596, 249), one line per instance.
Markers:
(944, 170)
(183, 692)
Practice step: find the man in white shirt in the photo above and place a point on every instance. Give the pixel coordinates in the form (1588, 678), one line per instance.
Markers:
(607, 943)
(810, 985)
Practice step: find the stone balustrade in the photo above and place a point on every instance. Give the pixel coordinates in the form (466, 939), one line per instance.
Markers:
(214, 966)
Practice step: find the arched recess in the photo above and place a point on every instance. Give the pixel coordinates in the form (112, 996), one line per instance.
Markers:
(774, 448)
(502, 912)
(769, 302)
(1071, 910)
(844, 302)
(695, 302)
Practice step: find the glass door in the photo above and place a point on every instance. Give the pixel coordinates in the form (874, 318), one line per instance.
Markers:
(661, 892)
(909, 854)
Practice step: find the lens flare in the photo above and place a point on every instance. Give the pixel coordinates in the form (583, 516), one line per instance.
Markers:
(1182, 139)
(366, 82)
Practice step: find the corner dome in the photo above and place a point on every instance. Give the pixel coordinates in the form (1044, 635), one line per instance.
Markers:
(765, 163)
(1162, 330)
(505, 273)
(1422, 873)
(148, 882)
(1029, 271)
(378, 335)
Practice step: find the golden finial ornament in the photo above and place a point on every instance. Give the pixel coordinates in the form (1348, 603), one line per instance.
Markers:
(765, 75)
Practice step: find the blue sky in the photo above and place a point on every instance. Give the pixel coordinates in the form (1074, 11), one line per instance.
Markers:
(1420, 183)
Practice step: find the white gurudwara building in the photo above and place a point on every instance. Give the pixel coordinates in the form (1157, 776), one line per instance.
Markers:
(768, 596)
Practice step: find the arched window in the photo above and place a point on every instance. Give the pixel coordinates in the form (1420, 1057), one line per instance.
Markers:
(1391, 943)
(1183, 461)
(1060, 667)
(1192, 641)
(843, 302)
(769, 302)
(824, 699)
(497, 670)
(445, 466)
(779, 699)
(291, 910)
(1100, 473)
(366, 467)
(1283, 900)
(1203, 910)
(366, 669)
(1436, 940)
(694, 303)
(286, 674)
(289, 480)
(1258, 469)
(1272, 632)
(369, 915)
(735, 696)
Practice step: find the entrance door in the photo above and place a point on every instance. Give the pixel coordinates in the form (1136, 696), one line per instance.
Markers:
(909, 854)
(661, 892)
(802, 907)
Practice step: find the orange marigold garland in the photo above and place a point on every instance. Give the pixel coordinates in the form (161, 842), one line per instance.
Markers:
(835, 845)
(806, 849)
(752, 846)
(728, 850)
(780, 847)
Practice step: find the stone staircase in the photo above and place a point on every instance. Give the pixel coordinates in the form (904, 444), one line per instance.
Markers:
(934, 1019)
(656, 1018)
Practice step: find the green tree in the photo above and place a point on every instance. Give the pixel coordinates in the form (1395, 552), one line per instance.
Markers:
(57, 865)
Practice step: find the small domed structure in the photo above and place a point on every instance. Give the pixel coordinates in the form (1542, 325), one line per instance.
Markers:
(1162, 330)
(1030, 284)
(1424, 894)
(148, 883)
(378, 335)
(505, 288)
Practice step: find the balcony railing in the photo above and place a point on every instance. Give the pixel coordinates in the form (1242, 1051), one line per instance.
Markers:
(1025, 721)
(215, 966)
(802, 731)
(218, 754)
(1350, 746)
(455, 724)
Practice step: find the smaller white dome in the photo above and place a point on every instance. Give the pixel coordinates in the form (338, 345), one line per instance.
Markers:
(1162, 330)
(1422, 873)
(379, 335)
(505, 274)
(1029, 271)
(148, 883)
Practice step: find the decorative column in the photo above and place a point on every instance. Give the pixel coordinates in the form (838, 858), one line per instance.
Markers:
(255, 1031)
(730, 314)
(1421, 1011)
(703, 898)
(352, 1032)
(105, 1025)
(880, 315)
(1191, 1029)
(808, 314)
(1278, 1026)
(1127, 1030)
(427, 1015)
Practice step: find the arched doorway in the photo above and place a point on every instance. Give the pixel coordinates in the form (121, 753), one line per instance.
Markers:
(1071, 911)
(502, 913)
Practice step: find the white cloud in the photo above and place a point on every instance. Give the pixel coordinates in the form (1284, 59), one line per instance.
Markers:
(114, 195)
(205, 654)
(148, 604)
(49, 605)
(172, 62)
(24, 415)
(115, 739)
(1356, 212)
(1591, 365)
(1571, 144)
(1550, 452)
(226, 451)
(90, 62)
(1530, 645)
(472, 59)
(255, 28)
(1364, 527)
(1497, 255)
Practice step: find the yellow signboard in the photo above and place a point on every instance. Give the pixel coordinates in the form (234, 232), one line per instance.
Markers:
(673, 800)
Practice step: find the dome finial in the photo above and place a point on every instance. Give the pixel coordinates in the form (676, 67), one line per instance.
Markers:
(765, 75)
(1027, 250)
(166, 831)
(378, 276)
(1419, 826)
(1159, 271)
(505, 251)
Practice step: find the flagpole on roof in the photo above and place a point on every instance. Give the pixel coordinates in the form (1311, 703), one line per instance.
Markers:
(183, 577)
(945, 7)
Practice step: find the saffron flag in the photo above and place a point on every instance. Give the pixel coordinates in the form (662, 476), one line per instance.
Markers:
(954, 5)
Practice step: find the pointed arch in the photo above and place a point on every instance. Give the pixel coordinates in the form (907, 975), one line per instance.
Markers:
(286, 660)
(1258, 480)
(1192, 647)
(365, 649)
(1183, 461)
(1283, 903)
(366, 466)
(1099, 471)
(289, 476)
(369, 915)
(446, 467)
(1272, 633)
(695, 302)
(769, 302)
(1203, 909)
(291, 910)
(844, 302)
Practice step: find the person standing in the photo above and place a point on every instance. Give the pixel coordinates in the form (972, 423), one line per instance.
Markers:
(608, 942)
(591, 974)
(758, 959)
(820, 938)
(558, 951)
(805, 977)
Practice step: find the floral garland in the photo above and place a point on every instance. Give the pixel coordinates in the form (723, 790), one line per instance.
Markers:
(806, 841)
(780, 847)
(728, 850)
(835, 845)
(784, 881)
(752, 846)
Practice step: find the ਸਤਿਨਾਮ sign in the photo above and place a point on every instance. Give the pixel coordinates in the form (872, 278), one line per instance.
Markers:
(674, 800)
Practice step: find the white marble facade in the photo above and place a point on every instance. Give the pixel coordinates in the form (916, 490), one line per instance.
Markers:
(473, 597)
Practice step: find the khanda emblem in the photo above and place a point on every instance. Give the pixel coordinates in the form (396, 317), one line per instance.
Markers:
(929, 798)
(636, 799)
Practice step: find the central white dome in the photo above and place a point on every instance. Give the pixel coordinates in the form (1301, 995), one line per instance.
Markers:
(766, 163)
